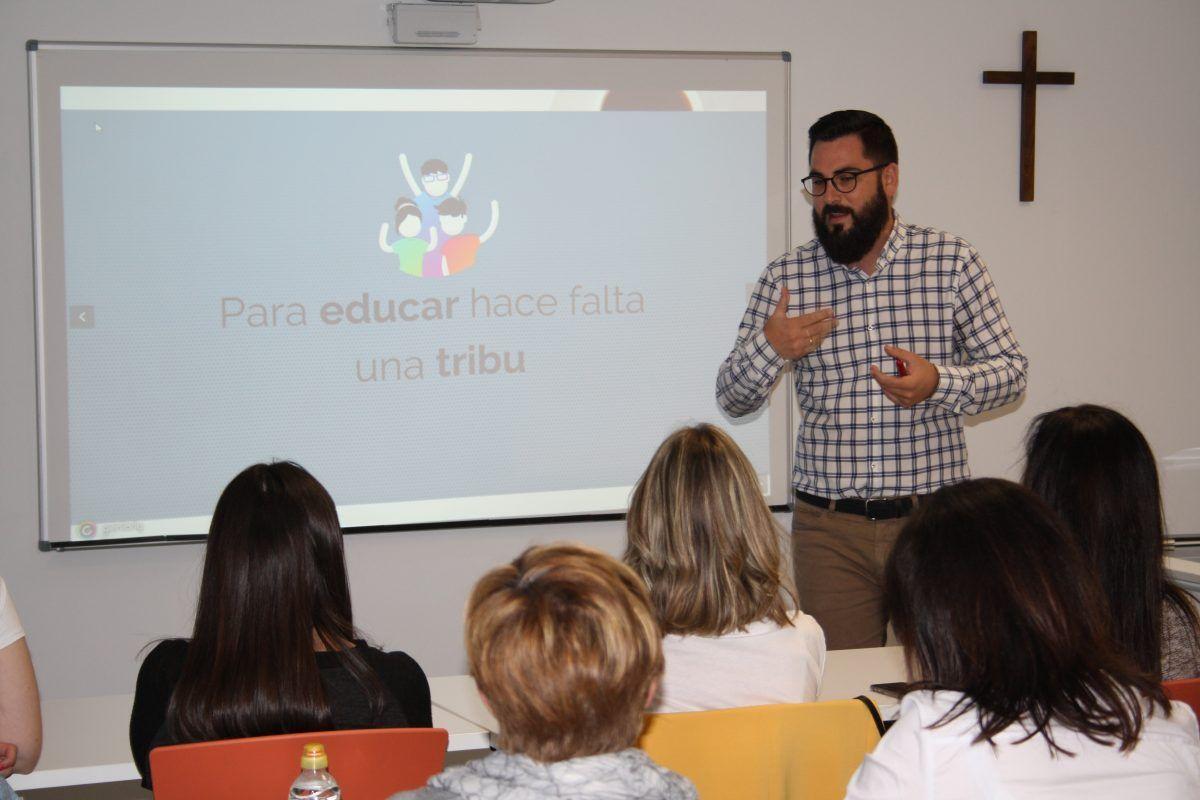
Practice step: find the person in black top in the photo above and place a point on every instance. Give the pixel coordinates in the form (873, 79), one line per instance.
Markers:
(274, 648)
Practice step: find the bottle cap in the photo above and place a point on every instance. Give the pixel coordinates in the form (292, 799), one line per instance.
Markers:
(314, 757)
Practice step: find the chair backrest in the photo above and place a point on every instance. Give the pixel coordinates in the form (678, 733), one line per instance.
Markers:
(792, 751)
(369, 764)
(1186, 690)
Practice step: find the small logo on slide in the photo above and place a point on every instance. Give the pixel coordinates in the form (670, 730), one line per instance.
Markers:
(87, 529)
(431, 221)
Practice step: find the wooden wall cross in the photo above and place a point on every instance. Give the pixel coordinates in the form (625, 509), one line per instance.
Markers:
(1028, 79)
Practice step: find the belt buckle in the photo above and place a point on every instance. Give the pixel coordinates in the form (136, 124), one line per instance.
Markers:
(874, 517)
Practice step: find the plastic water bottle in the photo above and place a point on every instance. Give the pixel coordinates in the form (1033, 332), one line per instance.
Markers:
(314, 781)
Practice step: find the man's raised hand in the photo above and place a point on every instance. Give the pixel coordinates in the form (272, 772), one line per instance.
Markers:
(796, 337)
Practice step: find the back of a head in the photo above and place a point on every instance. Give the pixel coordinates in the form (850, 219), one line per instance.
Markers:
(274, 572)
(991, 598)
(879, 143)
(701, 536)
(563, 645)
(275, 541)
(1096, 470)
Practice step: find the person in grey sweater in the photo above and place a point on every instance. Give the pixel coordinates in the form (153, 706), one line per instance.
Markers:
(566, 651)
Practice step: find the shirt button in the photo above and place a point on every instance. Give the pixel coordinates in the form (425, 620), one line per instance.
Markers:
(874, 467)
(874, 418)
(870, 327)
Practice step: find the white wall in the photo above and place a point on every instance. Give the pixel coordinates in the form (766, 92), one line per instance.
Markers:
(1098, 275)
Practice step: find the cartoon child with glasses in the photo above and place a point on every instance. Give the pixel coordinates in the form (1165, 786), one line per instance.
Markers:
(435, 180)
(410, 248)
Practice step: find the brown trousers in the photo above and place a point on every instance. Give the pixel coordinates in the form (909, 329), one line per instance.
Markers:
(837, 560)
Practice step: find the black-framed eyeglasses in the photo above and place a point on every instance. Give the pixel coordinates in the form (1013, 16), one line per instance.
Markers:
(844, 181)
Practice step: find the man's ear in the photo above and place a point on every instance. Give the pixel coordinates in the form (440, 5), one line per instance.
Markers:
(891, 180)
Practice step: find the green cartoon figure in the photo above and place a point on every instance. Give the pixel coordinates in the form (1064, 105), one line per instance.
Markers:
(410, 248)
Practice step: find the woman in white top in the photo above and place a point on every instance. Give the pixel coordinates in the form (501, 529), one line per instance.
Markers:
(1020, 690)
(20, 709)
(703, 540)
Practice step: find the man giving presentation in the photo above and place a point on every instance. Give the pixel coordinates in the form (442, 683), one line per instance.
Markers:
(895, 332)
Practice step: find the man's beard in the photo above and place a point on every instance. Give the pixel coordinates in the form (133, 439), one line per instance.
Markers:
(856, 238)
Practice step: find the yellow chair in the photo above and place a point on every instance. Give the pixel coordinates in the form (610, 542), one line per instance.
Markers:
(792, 751)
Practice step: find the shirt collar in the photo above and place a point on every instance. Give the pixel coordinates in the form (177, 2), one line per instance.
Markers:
(895, 243)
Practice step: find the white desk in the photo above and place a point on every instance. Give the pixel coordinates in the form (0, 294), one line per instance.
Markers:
(848, 673)
(458, 692)
(86, 740)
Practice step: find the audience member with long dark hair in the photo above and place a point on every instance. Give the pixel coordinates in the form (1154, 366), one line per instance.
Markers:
(1019, 691)
(703, 539)
(274, 648)
(1094, 467)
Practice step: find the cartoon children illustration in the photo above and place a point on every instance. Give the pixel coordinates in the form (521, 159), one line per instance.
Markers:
(435, 180)
(458, 248)
(410, 249)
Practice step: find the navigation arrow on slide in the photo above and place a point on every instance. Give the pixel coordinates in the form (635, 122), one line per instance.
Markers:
(82, 317)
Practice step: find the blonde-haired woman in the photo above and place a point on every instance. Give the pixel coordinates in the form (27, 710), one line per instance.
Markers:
(703, 540)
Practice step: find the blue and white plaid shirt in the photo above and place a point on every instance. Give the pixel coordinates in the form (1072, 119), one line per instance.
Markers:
(930, 294)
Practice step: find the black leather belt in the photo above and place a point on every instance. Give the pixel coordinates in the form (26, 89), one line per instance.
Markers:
(871, 508)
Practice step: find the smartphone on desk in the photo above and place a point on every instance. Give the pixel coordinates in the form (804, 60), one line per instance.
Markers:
(893, 689)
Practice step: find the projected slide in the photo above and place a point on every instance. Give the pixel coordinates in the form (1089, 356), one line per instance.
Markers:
(448, 305)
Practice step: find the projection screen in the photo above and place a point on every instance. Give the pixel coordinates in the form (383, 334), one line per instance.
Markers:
(456, 286)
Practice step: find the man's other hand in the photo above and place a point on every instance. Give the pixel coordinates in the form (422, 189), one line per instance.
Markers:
(907, 391)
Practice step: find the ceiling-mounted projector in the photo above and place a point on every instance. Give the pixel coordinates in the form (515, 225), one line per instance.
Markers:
(440, 21)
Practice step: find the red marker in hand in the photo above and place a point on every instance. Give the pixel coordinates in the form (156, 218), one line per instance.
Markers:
(901, 368)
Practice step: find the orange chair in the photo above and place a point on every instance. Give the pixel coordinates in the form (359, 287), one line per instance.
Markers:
(369, 764)
(1186, 690)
